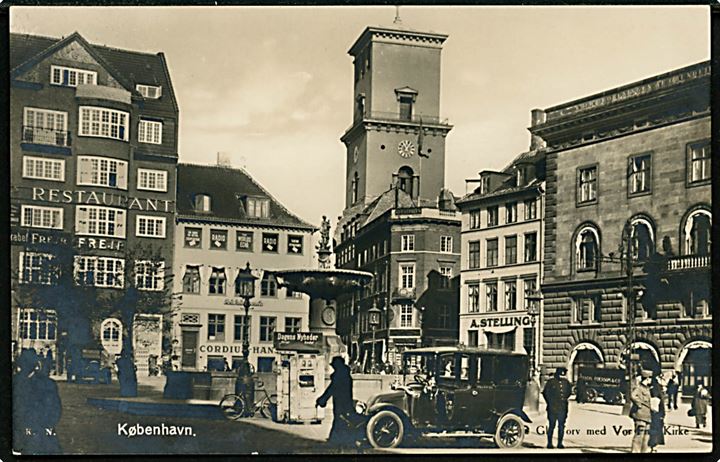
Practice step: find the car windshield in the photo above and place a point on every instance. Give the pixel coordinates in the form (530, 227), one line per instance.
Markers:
(422, 364)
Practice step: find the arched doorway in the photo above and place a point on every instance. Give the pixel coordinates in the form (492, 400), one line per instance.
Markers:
(584, 354)
(111, 336)
(694, 362)
(644, 357)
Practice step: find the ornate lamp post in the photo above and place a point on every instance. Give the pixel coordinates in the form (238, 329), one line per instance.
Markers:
(374, 321)
(533, 310)
(245, 288)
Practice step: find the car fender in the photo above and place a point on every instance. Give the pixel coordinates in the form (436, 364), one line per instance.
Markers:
(387, 407)
(520, 413)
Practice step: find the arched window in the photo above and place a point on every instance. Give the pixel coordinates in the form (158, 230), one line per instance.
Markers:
(643, 241)
(355, 182)
(587, 244)
(405, 179)
(111, 339)
(697, 233)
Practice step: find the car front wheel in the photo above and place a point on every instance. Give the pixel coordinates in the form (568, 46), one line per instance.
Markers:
(385, 430)
(510, 432)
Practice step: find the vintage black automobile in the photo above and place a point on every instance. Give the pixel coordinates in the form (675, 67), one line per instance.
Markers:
(452, 392)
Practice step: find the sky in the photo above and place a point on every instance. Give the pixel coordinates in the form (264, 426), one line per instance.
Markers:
(271, 87)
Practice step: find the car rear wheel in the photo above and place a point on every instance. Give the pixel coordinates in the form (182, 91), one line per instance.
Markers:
(590, 395)
(616, 398)
(510, 432)
(385, 430)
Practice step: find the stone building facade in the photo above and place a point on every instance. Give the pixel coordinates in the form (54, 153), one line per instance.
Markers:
(627, 227)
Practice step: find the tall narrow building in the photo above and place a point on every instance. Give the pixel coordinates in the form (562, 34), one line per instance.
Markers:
(93, 150)
(399, 222)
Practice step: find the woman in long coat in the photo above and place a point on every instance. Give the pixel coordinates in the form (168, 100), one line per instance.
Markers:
(699, 406)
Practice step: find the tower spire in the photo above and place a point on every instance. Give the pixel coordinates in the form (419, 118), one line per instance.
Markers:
(397, 19)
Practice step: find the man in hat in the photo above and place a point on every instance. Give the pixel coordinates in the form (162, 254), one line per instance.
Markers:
(556, 393)
(641, 412)
(341, 391)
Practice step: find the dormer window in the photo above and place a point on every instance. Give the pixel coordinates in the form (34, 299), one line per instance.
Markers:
(484, 185)
(149, 91)
(71, 77)
(257, 207)
(203, 203)
(521, 176)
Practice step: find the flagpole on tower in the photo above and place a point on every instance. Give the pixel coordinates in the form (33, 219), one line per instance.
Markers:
(397, 19)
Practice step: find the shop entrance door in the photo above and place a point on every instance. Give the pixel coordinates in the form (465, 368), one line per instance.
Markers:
(189, 349)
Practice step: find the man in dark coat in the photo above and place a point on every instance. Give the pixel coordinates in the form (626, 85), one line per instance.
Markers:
(36, 407)
(672, 391)
(341, 391)
(556, 393)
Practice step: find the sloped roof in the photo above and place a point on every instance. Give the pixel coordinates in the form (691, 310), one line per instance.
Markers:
(227, 187)
(133, 67)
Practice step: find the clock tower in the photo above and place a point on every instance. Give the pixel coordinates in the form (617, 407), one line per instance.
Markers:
(397, 137)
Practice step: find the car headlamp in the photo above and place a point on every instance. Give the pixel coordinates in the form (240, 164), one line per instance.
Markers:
(360, 407)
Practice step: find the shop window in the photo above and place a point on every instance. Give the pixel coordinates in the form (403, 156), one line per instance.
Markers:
(265, 363)
(216, 363)
(504, 341)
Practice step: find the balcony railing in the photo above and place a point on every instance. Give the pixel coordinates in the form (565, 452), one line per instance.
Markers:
(398, 117)
(688, 262)
(39, 135)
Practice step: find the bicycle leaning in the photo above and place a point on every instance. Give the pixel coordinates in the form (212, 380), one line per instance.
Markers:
(233, 406)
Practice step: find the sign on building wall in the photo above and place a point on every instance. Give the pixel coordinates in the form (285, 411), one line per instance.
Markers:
(147, 337)
(270, 242)
(244, 241)
(298, 341)
(218, 239)
(295, 244)
(193, 237)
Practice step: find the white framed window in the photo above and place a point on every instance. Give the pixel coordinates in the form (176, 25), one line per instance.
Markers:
(292, 324)
(406, 316)
(100, 271)
(149, 275)
(71, 77)
(511, 295)
(267, 328)
(491, 296)
(104, 123)
(407, 275)
(150, 131)
(36, 268)
(447, 273)
(446, 244)
(258, 208)
(407, 242)
(148, 226)
(35, 216)
(149, 91)
(99, 221)
(102, 171)
(41, 168)
(111, 329)
(473, 298)
(152, 180)
(45, 126)
(37, 324)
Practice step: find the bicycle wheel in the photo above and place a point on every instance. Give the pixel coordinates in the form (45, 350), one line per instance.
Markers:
(232, 407)
(266, 406)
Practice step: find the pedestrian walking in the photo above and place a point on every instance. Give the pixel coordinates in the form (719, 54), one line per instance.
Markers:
(673, 387)
(341, 392)
(36, 407)
(657, 414)
(641, 412)
(699, 406)
(556, 393)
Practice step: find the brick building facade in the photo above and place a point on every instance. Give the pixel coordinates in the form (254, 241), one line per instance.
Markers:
(628, 186)
(93, 153)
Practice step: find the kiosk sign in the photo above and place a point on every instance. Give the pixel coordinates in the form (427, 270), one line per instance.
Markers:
(298, 341)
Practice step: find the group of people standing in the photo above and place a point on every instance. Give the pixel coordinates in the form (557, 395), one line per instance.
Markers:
(651, 397)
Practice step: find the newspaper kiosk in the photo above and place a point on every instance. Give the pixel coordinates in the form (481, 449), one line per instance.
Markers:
(301, 377)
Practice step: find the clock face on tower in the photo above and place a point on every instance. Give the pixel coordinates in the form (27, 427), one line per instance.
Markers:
(328, 316)
(406, 148)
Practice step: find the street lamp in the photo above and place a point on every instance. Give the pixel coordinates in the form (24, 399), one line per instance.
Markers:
(245, 288)
(533, 300)
(374, 321)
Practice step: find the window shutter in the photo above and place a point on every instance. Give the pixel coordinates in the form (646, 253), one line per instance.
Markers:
(120, 223)
(122, 169)
(84, 170)
(81, 220)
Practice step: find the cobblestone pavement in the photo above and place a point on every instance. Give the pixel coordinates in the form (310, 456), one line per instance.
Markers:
(84, 429)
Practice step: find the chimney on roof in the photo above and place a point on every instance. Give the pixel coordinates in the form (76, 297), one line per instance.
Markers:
(537, 117)
(224, 160)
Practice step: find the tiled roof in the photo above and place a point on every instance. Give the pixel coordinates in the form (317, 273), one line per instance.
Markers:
(134, 66)
(227, 187)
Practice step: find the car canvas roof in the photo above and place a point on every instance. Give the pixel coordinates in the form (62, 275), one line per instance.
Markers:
(454, 349)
